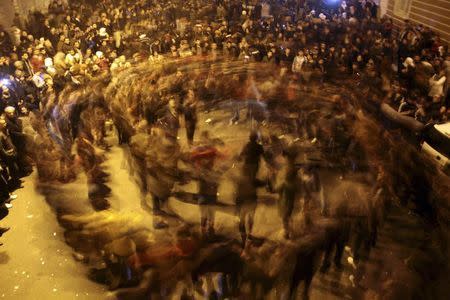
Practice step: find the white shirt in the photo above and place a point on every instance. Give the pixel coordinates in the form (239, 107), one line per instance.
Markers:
(297, 64)
(437, 86)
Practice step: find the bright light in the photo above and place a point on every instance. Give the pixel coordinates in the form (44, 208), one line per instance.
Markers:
(5, 82)
(332, 2)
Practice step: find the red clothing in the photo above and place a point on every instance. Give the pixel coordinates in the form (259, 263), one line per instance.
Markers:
(291, 91)
(163, 254)
(204, 155)
(37, 62)
(103, 64)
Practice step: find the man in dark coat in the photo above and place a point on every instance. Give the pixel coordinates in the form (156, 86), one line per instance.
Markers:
(251, 155)
(190, 116)
(8, 154)
(246, 196)
(170, 122)
(15, 129)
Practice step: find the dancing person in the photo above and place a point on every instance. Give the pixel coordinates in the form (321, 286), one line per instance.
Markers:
(246, 202)
(190, 115)
(161, 172)
(308, 252)
(246, 195)
(170, 121)
(204, 158)
(251, 155)
(338, 235)
(288, 192)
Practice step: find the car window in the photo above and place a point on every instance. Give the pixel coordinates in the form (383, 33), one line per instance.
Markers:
(439, 141)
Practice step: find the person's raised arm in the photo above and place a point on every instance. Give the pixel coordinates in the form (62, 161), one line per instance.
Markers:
(441, 80)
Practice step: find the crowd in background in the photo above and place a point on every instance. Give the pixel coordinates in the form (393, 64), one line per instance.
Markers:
(71, 44)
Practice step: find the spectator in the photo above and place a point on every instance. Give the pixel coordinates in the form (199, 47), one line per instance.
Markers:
(9, 156)
(437, 83)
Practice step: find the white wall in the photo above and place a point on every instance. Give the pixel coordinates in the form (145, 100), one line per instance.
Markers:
(6, 12)
(383, 7)
(23, 6)
(9, 7)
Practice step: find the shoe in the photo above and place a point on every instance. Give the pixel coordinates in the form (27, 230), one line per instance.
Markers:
(3, 230)
(8, 205)
(12, 197)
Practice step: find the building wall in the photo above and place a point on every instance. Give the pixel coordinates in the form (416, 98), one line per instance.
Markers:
(9, 7)
(383, 7)
(6, 12)
(432, 13)
(23, 6)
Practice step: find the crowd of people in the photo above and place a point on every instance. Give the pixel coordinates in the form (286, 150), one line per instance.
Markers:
(305, 41)
(13, 162)
(71, 44)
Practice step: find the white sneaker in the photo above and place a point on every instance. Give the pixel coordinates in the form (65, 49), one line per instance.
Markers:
(12, 197)
(8, 205)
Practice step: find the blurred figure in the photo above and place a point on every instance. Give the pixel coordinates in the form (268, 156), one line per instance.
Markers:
(170, 122)
(96, 177)
(161, 161)
(338, 235)
(204, 157)
(288, 193)
(246, 202)
(308, 252)
(3, 229)
(251, 156)
(246, 195)
(190, 115)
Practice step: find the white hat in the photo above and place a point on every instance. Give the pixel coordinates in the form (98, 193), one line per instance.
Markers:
(102, 32)
(99, 54)
(48, 62)
(409, 62)
(10, 109)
